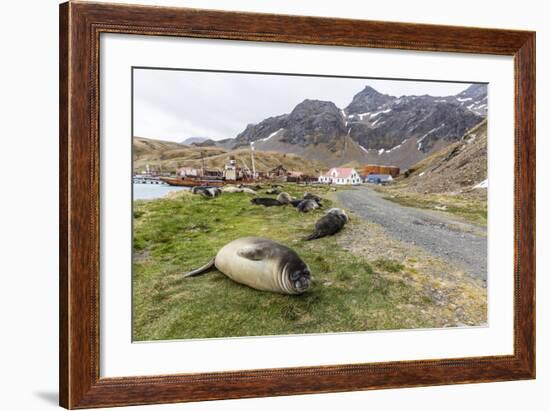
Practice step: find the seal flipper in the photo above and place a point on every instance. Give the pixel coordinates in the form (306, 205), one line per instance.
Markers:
(256, 252)
(312, 236)
(201, 270)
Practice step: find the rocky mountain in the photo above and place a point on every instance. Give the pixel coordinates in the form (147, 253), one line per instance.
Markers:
(374, 127)
(260, 131)
(427, 119)
(368, 100)
(474, 98)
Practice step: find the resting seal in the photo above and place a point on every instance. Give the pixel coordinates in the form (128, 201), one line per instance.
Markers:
(207, 192)
(266, 202)
(262, 264)
(329, 224)
(233, 189)
(311, 196)
(306, 206)
(296, 202)
(284, 198)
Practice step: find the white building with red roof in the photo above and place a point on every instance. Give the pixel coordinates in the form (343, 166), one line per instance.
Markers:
(340, 175)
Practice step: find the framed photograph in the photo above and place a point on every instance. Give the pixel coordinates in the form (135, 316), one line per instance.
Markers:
(259, 205)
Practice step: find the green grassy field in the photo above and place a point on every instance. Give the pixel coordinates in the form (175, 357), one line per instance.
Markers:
(177, 234)
(471, 209)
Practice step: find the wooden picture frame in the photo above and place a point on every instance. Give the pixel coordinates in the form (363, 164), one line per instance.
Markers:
(80, 27)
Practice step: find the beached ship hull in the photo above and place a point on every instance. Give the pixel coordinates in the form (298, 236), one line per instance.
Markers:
(185, 182)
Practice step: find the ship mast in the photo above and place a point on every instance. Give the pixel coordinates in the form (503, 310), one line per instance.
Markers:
(252, 158)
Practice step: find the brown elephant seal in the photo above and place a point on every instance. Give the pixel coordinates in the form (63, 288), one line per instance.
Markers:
(311, 196)
(233, 189)
(332, 222)
(248, 191)
(266, 202)
(262, 264)
(207, 192)
(284, 198)
(305, 206)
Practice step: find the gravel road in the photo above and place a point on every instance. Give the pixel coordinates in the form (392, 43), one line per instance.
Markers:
(452, 240)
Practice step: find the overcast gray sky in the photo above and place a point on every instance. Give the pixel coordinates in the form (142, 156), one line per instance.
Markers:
(174, 105)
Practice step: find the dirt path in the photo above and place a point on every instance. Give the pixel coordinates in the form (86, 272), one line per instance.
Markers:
(462, 244)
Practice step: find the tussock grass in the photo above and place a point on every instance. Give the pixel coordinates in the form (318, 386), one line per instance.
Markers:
(180, 233)
(390, 266)
(473, 210)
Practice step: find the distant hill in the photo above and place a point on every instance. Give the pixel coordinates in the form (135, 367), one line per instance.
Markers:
(460, 167)
(205, 143)
(191, 140)
(144, 146)
(373, 128)
(172, 156)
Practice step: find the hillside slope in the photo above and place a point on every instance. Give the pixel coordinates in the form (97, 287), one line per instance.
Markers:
(458, 168)
(171, 156)
(143, 146)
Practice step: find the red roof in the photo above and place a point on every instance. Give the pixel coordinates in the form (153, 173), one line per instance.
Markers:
(341, 172)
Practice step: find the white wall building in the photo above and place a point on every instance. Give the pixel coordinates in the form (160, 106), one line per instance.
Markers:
(188, 172)
(340, 175)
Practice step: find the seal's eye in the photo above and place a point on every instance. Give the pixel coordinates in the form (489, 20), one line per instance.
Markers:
(295, 275)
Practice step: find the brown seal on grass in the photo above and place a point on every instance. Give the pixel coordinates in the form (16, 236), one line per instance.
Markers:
(262, 264)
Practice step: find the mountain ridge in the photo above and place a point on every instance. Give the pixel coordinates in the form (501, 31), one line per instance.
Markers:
(373, 127)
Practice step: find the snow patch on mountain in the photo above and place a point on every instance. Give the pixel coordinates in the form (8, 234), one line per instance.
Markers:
(380, 112)
(433, 130)
(483, 184)
(271, 135)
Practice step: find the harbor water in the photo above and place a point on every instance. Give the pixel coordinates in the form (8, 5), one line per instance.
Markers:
(153, 191)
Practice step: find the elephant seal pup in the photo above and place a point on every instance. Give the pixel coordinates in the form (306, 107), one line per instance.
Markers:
(311, 196)
(207, 192)
(197, 189)
(248, 191)
(266, 202)
(273, 191)
(262, 264)
(232, 189)
(210, 192)
(306, 206)
(329, 224)
(284, 198)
